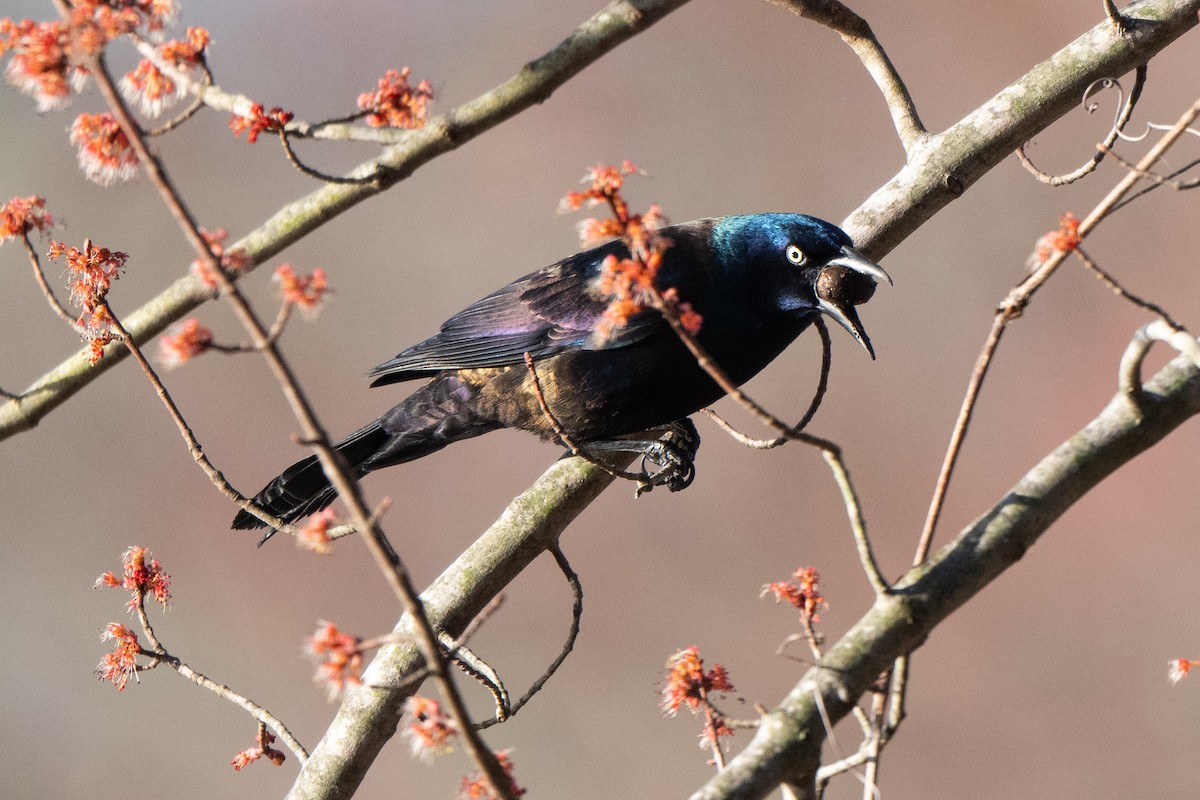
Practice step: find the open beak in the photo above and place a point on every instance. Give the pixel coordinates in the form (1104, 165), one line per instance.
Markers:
(846, 290)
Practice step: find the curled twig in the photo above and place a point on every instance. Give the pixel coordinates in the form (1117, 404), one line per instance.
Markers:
(295, 161)
(1126, 111)
(1143, 339)
(568, 646)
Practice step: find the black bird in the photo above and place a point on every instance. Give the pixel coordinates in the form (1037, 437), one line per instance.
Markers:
(757, 282)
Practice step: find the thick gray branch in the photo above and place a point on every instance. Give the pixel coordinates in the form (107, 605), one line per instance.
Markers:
(944, 165)
(785, 748)
(368, 716)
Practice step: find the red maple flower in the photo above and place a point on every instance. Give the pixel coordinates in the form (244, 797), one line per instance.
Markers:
(104, 152)
(476, 788)
(305, 291)
(395, 104)
(804, 595)
(338, 655)
(258, 121)
(431, 729)
(314, 534)
(183, 342)
(234, 259)
(1178, 669)
(21, 215)
(121, 664)
(628, 282)
(142, 576)
(262, 750)
(688, 684)
(1064, 240)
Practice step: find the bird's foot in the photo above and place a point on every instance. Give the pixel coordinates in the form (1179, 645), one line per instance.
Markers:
(674, 455)
(667, 460)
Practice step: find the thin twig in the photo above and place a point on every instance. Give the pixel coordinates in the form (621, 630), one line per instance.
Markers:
(818, 396)
(40, 276)
(295, 161)
(347, 488)
(161, 655)
(568, 646)
(193, 445)
(1154, 177)
(179, 118)
(1101, 150)
(189, 437)
(1119, 21)
(857, 34)
(480, 670)
(275, 331)
(1120, 291)
(1013, 306)
(858, 525)
(565, 438)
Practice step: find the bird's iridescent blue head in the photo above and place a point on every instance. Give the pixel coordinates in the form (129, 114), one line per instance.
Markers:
(814, 261)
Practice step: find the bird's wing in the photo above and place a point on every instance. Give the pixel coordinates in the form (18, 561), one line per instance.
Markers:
(546, 312)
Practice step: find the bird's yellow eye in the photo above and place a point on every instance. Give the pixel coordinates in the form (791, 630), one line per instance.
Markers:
(795, 255)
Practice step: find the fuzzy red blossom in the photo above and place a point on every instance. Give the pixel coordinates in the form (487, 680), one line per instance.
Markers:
(476, 788)
(49, 58)
(120, 665)
(338, 655)
(628, 282)
(688, 316)
(688, 684)
(305, 291)
(314, 534)
(234, 259)
(118, 17)
(259, 121)
(21, 215)
(183, 342)
(1178, 669)
(104, 152)
(1063, 240)
(189, 52)
(396, 104)
(263, 750)
(41, 65)
(96, 329)
(92, 271)
(142, 576)
(149, 87)
(431, 729)
(805, 594)
(715, 729)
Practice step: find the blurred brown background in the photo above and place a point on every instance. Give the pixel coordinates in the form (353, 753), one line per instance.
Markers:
(1052, 683)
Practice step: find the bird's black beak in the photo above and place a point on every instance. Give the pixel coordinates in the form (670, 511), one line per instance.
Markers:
(846, 281)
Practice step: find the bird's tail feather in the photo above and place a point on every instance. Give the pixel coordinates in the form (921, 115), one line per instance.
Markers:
(303, 489)
(431, 418)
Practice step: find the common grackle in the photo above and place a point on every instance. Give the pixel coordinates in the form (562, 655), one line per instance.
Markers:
(756, 281)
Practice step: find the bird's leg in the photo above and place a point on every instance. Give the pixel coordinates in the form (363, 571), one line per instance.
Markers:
(672, 449)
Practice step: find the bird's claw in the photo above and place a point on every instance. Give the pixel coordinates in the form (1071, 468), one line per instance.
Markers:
(674, 454)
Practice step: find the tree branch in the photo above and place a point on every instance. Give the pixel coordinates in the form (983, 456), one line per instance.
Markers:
(537, 80)
(788, 742)
(939, 172)
(369, 714)
(948, 163)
